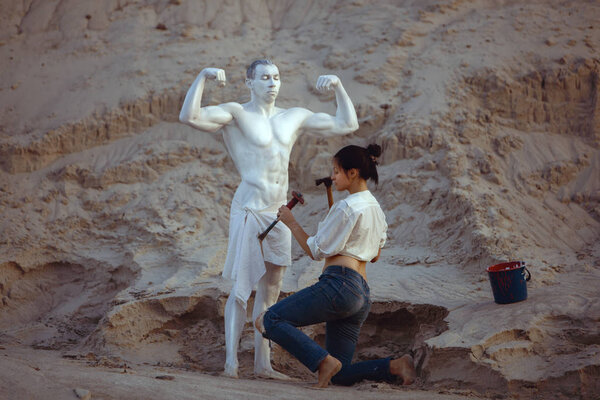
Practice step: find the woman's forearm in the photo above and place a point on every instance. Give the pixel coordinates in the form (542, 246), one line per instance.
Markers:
(285, 215)
(300, 236)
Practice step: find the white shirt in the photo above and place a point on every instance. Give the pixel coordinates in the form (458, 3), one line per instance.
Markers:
(353, 227)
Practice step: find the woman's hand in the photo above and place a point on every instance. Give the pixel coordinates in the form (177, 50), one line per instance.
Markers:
(285, 215)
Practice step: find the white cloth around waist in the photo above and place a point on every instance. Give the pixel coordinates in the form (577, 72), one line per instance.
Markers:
(245, 263)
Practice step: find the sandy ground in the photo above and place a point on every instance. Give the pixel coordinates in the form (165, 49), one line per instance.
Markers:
(114, 216)
(26, 370)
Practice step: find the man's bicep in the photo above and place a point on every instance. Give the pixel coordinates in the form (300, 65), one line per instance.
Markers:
(209, 119)
(318, 122)
(216, 115)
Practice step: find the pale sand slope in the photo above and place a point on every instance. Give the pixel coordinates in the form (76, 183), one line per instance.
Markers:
(115, 216)
(51, 377)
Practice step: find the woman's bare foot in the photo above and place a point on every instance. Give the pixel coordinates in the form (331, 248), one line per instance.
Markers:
(258, 323)
(327, 369)
(404, 367)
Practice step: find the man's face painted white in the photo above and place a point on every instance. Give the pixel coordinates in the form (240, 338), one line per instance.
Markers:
(266, 83)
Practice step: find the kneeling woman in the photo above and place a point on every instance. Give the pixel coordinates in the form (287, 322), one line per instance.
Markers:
(353, 233)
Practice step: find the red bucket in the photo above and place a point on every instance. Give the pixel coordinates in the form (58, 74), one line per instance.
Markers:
(509, 281)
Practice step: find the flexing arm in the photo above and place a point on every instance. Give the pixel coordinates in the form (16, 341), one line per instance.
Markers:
(211, 118)
(345, 120)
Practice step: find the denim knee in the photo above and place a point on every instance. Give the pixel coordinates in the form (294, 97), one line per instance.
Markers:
(269, 318)
(340, 379)
(373, 370)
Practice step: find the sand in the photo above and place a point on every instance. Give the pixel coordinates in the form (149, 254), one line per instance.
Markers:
(114, 215)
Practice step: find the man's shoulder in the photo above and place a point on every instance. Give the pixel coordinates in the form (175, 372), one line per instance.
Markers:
(296, 111)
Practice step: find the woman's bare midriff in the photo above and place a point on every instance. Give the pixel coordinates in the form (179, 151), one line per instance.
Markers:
(348, 262)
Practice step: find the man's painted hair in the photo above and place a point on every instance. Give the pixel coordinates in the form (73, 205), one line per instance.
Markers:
(250, 72)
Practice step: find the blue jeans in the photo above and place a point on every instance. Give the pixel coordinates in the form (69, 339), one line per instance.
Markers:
(341, 299)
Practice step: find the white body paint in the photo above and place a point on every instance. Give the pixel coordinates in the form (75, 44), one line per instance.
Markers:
(259, 137)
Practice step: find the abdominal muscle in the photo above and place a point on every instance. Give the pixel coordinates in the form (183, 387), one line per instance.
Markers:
(348, 262)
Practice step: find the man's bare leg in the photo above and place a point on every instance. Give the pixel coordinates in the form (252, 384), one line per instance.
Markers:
(404, 367)
(235, 318)
(267, 294)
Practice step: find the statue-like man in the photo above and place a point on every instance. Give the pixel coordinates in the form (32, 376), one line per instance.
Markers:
(259, 137)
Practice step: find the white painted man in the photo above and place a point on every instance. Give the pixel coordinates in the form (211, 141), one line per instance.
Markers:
(259, 137)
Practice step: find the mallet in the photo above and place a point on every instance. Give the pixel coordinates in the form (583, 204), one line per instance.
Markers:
(296, 197)
(327, 181)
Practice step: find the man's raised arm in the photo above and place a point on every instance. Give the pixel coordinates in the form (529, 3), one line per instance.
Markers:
(345, 120)
(211, 118)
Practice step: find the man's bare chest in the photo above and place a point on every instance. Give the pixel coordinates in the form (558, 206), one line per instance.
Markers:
(262, 131)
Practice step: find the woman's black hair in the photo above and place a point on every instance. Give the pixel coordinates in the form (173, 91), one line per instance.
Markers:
(363, 159)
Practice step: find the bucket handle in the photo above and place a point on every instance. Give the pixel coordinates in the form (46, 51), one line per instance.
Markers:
(528, 276)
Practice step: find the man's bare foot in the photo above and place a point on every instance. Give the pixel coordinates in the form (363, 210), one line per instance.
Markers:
(272, 374)
(327, 369)
(230, 371)
(404, 367)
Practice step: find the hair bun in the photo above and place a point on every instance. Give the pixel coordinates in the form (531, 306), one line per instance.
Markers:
(374, 150)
